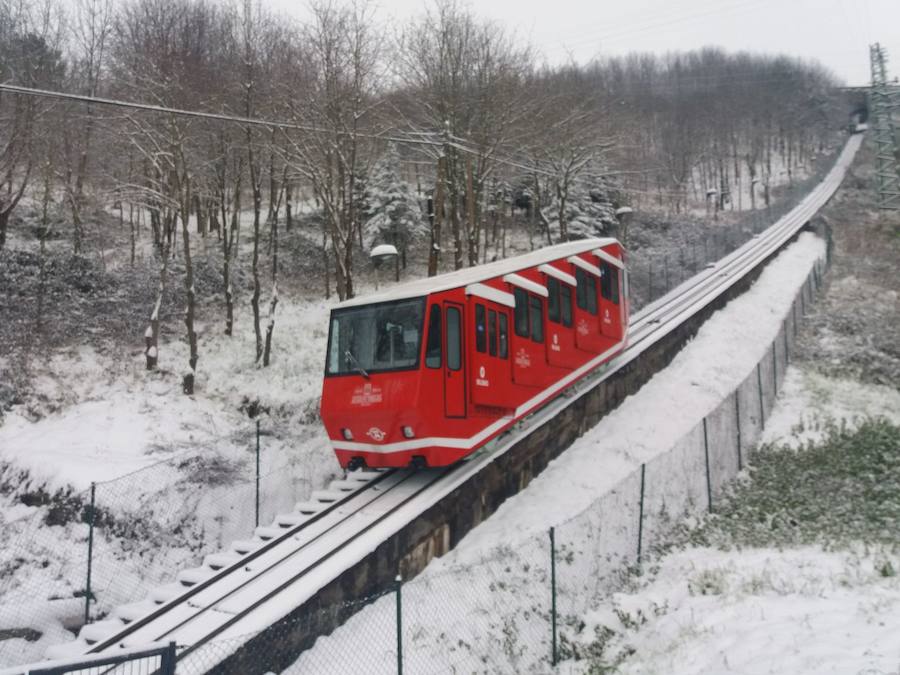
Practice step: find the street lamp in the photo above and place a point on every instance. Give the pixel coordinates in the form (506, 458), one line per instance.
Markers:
(624, 214)
(381, 254)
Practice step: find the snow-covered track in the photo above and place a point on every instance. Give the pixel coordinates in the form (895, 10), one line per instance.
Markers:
(270, 583)
(310, 520)
(222, 600)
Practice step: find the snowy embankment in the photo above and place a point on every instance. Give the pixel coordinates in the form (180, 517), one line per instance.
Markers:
(483, 606)
(175, 474)
(726, 348)
(802, 611)
(833, 607)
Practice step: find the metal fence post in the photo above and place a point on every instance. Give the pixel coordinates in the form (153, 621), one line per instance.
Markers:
(784, 327)
(762, 409)
(553, 653)
(774, 367)
(167, 661)
(641, 514)
(737, 417)
(90, 559)
(794, 312)
(706, 453)
(399, 581)
(257, 473)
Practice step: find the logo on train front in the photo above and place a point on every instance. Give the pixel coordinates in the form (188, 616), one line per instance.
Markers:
(366, 395)
(376, 434)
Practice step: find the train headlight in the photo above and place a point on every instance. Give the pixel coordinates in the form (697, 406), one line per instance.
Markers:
(408, 432)
(347, 434)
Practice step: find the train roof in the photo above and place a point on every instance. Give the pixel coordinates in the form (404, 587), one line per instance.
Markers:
(471, 275)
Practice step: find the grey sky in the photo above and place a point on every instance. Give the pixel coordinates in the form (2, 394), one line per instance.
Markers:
(835, 32)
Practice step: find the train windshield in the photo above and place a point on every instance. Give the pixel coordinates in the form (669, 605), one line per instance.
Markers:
(375, 338)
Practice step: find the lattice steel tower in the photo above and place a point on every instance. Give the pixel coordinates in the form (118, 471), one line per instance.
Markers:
(882, 105)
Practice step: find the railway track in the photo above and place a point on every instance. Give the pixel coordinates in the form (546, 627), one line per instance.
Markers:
(258, 582)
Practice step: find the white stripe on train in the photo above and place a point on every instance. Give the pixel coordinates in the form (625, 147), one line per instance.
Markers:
(472, 441)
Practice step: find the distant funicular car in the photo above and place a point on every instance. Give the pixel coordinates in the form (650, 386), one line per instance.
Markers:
(429, 371)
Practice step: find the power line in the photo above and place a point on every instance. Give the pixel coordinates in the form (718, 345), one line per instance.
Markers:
(270, 124)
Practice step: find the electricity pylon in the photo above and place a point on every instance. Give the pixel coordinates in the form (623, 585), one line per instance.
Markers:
(886, 168)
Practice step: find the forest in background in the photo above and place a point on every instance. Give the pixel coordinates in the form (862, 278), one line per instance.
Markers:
(447, 130)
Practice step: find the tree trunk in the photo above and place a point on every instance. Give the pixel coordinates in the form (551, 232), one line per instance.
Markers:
(189, 377)
(434, 252)
(4, 223)
(562, 194)
(288, 205)
(254, 301)
(132, 230)
(270, 327)
(151, 335)
(471, 226)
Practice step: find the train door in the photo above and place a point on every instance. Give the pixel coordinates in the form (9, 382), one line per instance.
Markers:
(527, 347)
(587, 319)
(454, 373)
(489, 363)
(610, 301)
(560, 335)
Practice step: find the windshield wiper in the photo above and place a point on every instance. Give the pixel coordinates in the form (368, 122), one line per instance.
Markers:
(362, 370)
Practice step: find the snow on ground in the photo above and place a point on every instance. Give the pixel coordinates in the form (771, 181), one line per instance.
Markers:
(175, 473)
(804, 611)
(809, 400)
(483, 605)
(753, 612)
(726, 348)
(113, 420)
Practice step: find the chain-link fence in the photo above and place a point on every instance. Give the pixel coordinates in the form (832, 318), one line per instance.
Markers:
(522, 608)
(79, 555)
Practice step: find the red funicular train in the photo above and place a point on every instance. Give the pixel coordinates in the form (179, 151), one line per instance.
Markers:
(429, 371)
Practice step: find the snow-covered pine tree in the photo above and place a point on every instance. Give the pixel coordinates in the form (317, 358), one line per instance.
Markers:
(392, 211)
(590, 208)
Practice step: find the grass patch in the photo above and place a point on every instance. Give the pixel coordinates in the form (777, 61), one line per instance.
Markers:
(844, 488)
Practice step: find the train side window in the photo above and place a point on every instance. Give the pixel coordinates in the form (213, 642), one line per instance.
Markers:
(521, 312)
(609, 282)
(591, 293)
(614, 284)
(566, 305)
(553, 299)
(454, 339)
(536, 314)
(586, 291)
(480, 333)
(580, 288)
(504, 336)
(492, 332)
(433, 346)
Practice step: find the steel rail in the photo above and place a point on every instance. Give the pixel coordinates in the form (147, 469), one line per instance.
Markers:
(236, 567)
(651, 324)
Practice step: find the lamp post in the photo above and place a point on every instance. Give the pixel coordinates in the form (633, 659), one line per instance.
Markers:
(624, 215)
(381, 254)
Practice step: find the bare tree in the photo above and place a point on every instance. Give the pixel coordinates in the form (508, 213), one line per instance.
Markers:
(465, 77)
(91, 27)
(29, 56)
(344, 50)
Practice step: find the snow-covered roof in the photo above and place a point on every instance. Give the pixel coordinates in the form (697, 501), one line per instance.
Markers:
(479, 273)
